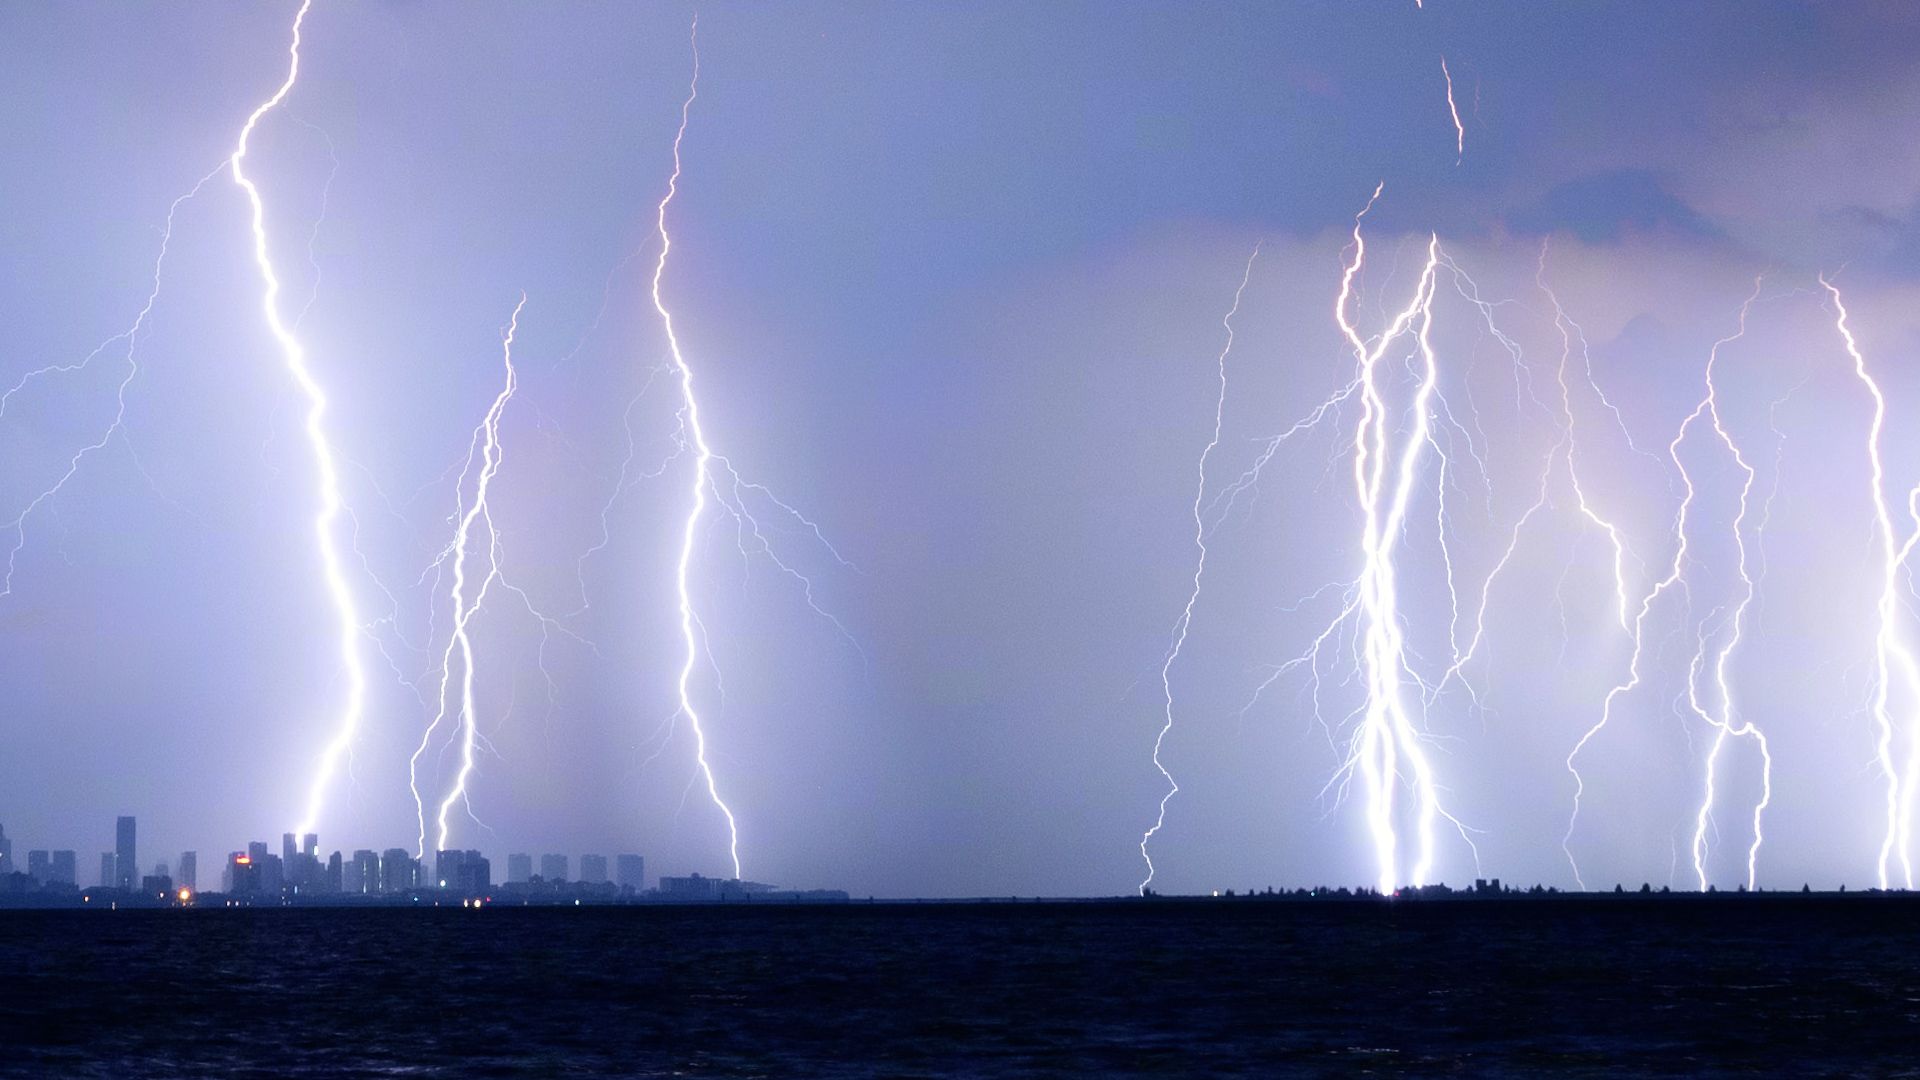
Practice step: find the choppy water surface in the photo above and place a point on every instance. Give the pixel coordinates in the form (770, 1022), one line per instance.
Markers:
(1255, 988)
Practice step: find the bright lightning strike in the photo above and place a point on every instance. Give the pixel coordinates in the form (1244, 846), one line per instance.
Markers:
(1185, 621)
(327, 517)
(486, 441)
(1387, 735)
(1387, 750)
(1891, 650)
(1723, 719)
(1726, 723)
(702, 475)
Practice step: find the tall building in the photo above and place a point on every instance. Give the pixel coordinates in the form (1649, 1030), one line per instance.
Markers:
(257, 851)
(364, 873)
(300, 868)
(465, 872)
(189, 875)
(631, 872)
(310, 846)
(64, 868)
(6, 852)
(399, 872)
(39, 867)
(271, 874)
(335, 873)
(519, 869)
(593, 869)
(127, 865)
(241, 876)
(553, 867)
(108, 878)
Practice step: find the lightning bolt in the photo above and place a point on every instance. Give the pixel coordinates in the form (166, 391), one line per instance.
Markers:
(1185, 620)
(331, 509)
(1725, 722)
(486, 443)
(1387, 733)
(1386, 750)
(703, 457)
(1891, 651)
(131, 335)
(1562, 458)
(1459, 129)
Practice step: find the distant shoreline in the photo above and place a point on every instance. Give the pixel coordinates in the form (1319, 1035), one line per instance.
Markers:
(106, 900)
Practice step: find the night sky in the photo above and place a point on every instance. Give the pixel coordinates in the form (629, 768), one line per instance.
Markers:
(952, 279)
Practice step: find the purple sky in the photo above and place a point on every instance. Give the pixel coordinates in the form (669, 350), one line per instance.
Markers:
(952, 281)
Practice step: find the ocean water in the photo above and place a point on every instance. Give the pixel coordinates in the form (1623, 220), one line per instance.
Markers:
(1729, 987)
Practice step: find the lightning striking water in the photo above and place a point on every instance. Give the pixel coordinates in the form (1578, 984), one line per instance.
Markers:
(703, 457)
(485, 443)
(1891, 650)
(326, 521)
(1185, 621)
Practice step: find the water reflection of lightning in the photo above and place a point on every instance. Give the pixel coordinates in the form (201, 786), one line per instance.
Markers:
(1892, 653)
(1185, 621)
(326, 522)
(486, 444)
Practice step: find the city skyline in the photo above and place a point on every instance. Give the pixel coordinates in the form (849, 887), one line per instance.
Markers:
(301, 862)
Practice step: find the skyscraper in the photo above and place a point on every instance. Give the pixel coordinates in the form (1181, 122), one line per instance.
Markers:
(287, 848)
(519, 869)
(189, 875)
(365, 875)
(108, 876)
(399, 872)
(593, 869)
(127, 866)
(39, 867)
(242, 876)
(631, 872)
(465, 872)
(6, 852)
(553, 867)
(65, 871)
